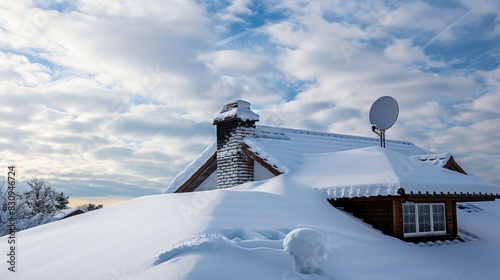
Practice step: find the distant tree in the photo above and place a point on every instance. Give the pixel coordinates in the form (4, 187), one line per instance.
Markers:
(81, 206)
(89, 207)
(40, 197)
(61, 201)
(92, 207)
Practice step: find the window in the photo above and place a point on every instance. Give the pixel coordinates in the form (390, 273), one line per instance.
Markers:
(423, 219)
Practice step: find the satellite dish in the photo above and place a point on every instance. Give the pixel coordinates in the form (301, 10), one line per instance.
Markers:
(383, 114)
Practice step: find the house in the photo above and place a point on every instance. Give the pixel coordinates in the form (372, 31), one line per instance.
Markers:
(403, 190)
(66, 213)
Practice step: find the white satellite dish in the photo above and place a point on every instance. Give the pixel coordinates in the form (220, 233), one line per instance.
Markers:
(383, 114)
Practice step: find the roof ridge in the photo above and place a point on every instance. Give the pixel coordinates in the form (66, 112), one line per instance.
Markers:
(331, 134)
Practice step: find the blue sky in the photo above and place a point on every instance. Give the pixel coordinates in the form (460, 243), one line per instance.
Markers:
(109, 100)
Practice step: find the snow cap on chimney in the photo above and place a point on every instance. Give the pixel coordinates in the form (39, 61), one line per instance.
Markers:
(236, 109)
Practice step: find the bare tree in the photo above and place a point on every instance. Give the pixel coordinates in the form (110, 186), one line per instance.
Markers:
(40, 198)
(12, 209)
(34, 207)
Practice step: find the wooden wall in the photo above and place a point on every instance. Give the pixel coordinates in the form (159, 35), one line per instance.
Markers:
(377, 213)
(385, 213)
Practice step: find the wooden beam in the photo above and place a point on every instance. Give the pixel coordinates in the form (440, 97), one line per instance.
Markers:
(203, 168)
(425, 198)
(260, 160)
(397, 219)
(454, 217)
(456, 198)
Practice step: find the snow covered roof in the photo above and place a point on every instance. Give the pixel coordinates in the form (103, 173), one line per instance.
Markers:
(375, 171)
(437, 159)
(350, 166)
(66, 212)
(280, 147)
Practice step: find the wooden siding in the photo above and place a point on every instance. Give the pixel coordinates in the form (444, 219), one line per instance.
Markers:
(385, 212)
(451, 218)
(377, 213)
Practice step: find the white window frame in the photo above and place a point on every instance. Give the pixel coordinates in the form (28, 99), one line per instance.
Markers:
(417, 223)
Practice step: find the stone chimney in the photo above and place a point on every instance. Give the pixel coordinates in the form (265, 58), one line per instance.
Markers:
(235, 121)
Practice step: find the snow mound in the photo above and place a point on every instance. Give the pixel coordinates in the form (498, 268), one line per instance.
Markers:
(204, 242)
(232, 237)
(308, 249)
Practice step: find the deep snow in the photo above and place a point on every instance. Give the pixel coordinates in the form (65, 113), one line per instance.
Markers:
(238, 233)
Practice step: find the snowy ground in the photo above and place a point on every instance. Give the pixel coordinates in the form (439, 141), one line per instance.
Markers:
(238, 234)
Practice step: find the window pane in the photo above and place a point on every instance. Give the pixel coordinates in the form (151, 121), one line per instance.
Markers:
(409, 225)
(438, 217)
(424, 218)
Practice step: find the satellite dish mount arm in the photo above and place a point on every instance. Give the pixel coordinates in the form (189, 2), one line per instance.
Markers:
(381, 134)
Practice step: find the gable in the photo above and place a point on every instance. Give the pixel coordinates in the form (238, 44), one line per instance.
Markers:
(451, 164)
(261, 173)
(201, 166)
(205, 177)
(199, 176)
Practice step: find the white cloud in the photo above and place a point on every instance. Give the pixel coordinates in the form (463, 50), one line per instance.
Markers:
(235, 62)
(350, 84)
(423, 16)
(482, 7)
(16, 69)
(117, 97)
(240, 7)
(235, 10)
(405, 52)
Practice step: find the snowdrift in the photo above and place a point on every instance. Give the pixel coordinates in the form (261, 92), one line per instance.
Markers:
(238, 233)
